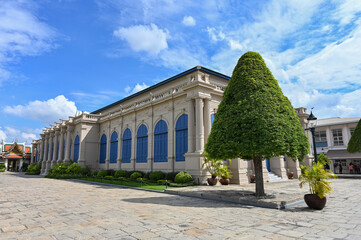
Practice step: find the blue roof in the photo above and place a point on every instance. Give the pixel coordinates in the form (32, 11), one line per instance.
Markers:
(202, 69)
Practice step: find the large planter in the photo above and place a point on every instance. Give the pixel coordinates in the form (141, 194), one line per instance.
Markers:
(253, 178)
(224, 181)
(315, 202)
(212, 181)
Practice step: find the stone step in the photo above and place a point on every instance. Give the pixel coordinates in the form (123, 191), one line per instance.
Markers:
(274, 178)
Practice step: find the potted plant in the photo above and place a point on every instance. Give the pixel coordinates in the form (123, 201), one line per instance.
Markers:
(225, 175)
(316, 177)
(289, 174)
(214, 167)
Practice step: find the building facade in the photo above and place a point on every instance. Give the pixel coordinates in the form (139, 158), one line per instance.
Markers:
(161, 128)
(332, 136)
(14, 155)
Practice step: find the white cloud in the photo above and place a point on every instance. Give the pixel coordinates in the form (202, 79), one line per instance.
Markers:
(150, 39)
(347, 11)
(189, 21)
(10, 134)
(138, 87)
(21, 34)
(46, 111)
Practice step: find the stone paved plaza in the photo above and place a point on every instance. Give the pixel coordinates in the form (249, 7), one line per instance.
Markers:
(39, 208)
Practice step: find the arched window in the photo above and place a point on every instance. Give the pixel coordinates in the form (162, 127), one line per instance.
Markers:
(213, 115)
(114, 147)
(103, 149)
(181, 137)
(76, 149)
(127, 146)
(161, 142)
(142, 144)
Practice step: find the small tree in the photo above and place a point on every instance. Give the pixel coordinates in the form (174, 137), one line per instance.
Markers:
(255, 120)
(354, 145)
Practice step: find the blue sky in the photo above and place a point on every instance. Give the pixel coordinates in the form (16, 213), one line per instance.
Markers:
(59, 57)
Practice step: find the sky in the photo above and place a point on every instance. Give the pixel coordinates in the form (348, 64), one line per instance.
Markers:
(58, 57)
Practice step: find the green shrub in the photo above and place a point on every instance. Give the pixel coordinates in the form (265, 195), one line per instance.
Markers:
(120, 173)
(108, 177)
(183, 177)
(171, 176)
(155, 176)
(24, 167)
(136, 175)
(94, 174)
(86, 171)
(73, 169)
(2, 166)
(162, 181)
(102, 173)
(128, 173)
(110, 172)
(2, 169)
(59, 169)
(33, 169)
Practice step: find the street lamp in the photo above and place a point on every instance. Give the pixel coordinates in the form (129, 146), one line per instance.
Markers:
(312, 120)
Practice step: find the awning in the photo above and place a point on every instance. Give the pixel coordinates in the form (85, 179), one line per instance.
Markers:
(342, 154)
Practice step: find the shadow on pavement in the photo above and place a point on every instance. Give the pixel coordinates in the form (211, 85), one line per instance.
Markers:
(22, 175)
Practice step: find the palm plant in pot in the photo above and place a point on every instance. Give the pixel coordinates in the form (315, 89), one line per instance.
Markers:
(214, 167)
(316, 177)
(225, 175)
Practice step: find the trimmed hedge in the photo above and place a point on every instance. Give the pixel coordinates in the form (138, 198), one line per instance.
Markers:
(155, 176)
(183, 177)
(120, 174)
(33, 169)
(136, 175)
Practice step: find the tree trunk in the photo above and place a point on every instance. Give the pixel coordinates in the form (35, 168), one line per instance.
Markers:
(259, 176)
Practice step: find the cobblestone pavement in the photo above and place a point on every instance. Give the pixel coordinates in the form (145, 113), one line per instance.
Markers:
(39, 208)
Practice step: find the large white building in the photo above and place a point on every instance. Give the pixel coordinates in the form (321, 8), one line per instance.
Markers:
(161, 128)
(332, 136)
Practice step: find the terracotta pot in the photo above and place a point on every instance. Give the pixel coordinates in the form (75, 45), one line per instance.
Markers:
(290, 175)
(253, 178)
(224, 181)
(315, 202)
(212, 181)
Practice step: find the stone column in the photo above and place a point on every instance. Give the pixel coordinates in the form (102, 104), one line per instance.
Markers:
(46, 153)
(191, 147)
(293, 166)
(50, 154)
(6, 165)
(207, 119)
(41, 157)
(199, 125)
(32, 153)
(278, 166)
(56, 149)
(81, 157)
(61, 146)
(67, 143)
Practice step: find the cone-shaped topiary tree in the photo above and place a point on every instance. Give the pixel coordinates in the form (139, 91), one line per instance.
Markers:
(354, 145)
(255, 120)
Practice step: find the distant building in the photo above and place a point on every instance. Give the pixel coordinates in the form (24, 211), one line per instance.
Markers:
(14, 155)
(332, 137)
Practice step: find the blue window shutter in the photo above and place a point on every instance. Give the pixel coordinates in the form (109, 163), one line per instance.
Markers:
(103, 149)
(76, 149)
(142, 144)
(213, 115)
(161, 142)
(127, 146)
(181, 137)
(113, 147)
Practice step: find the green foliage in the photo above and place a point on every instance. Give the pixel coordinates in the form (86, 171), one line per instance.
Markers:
(59, 169)
(183, 177)
(108, 177)
(2, 169)
(136, 175)
(254, 117)
(322, 158)
(24, 167)
(102, 173)
(110, 172)
(94, 173)
(33, 169)
(316, 178)
(354, 145)
(120, 174)
(225, 172)
(171, 176)
(155, 176)
(2, 166)
(213, 165)
(73, 168)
